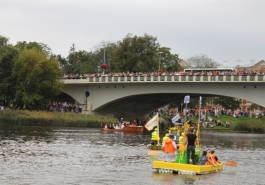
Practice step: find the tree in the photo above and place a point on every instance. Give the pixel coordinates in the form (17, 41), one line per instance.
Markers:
(38, 78)
(227, 102)
(202, 61)
(3, 41)
(8, 53)
(168, 62)
(21, 45)
(136, 53)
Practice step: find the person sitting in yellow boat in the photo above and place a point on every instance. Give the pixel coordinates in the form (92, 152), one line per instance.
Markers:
(213, 159)
(155, 137)
(204, 160)
(169, 147)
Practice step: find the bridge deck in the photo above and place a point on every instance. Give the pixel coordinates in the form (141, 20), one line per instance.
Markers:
(176, 78)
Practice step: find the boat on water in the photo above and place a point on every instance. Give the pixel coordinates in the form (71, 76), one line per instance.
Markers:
(138, 129)
(189, 169)
(179, 164)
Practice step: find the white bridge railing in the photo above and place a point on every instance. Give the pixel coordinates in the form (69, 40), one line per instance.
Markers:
(175, 78)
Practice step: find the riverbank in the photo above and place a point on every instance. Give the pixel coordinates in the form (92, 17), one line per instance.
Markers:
(239, 124)
(44, 118)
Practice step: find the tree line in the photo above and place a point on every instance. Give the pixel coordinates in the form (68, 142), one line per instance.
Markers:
(31, 73)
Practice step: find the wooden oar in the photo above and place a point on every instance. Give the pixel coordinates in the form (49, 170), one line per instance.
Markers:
(231, 163)
(153, 152)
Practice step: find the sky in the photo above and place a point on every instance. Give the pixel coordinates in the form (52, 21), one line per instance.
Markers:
(224, 30)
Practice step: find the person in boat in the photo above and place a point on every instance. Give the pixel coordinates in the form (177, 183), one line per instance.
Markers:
(165, 138)
(134, 123)
(106, 126)
(155, 137)
(204, 160)
(169, 147)
(191, 139)
(121, 121)
(213, 159)
(122, 126)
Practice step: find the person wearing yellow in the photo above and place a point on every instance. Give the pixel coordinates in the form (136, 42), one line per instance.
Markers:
(165, 138)
(169, 147)
(155, 137)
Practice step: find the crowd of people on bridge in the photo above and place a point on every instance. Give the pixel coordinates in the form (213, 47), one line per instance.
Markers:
(163, 73)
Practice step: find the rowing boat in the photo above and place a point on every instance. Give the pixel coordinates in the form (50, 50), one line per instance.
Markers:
(139, 129)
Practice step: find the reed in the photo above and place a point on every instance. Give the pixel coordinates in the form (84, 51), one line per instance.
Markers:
(44, 118)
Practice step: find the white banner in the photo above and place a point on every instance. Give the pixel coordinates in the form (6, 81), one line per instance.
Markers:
(187, 99)
(152, 123)
(175, 118)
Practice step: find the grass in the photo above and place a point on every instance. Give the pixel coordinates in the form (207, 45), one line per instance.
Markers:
(44, 118)
(242, 124)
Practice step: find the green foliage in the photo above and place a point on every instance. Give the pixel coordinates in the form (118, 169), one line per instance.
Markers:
(37, 77)
(7, 84)
(136, 53)
(227, 102)
(168, 62)
(3, 41)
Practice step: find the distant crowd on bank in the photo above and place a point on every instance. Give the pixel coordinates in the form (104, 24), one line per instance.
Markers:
(161, 73)
(63, 107)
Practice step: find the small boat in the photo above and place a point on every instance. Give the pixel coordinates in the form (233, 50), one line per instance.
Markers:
(189, 169)
(138, 129)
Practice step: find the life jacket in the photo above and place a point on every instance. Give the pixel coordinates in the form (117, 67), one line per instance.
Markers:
(211, 158)
(155, 136)
(165, 138)
(169, 146)
(181, 139)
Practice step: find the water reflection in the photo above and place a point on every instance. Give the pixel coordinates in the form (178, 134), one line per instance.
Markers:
(49, 155)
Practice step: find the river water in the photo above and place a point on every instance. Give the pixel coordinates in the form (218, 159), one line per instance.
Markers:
(53, 155)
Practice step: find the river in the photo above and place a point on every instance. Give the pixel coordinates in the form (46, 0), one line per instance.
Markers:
(55, 155)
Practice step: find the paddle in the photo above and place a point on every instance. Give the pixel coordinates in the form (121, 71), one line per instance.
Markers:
(231, 163)
(153, 152)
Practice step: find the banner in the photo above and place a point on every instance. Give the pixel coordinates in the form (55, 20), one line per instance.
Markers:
(187, 99)
(176, 118)
(152, 123)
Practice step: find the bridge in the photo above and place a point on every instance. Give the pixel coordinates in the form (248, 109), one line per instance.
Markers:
(139, 95)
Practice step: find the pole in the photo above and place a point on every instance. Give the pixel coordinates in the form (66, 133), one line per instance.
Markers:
(104, 54)
(159, 59)
(158, 142)
(199, 111)
(186, 112)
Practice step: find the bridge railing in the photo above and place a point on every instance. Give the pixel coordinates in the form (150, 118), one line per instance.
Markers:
(173, 78)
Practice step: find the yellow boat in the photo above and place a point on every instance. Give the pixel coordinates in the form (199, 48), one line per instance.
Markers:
(179, 165)
(171, 167)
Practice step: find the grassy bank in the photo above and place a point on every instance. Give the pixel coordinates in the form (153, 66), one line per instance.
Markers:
(43, 118)
(242, 124)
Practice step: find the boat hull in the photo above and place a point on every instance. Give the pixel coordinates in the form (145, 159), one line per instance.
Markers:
(171, 167)
(138, 129)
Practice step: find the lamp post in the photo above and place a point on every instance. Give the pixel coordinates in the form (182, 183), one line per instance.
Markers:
(159, 59)
(104, 52)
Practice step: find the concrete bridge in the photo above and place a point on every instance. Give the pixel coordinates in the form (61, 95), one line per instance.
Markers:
(139, 95)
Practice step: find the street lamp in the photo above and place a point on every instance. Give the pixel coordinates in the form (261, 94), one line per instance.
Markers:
(104, 52)
(159, 59)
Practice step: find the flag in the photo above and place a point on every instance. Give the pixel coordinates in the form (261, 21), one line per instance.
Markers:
(176, 118)
(200, 100)
(152, 123)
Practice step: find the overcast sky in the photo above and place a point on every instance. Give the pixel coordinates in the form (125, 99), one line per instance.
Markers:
(224, 30)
